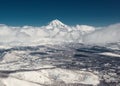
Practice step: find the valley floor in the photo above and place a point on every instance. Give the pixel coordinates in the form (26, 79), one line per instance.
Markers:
(60, 65)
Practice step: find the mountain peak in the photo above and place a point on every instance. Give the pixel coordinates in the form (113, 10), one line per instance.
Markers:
(56, 23)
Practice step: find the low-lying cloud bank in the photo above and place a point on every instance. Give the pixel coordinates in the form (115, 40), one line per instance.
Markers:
(109, 34)
(57, 32)
(54, 32)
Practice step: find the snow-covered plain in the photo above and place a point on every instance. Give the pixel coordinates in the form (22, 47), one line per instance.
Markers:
(59, 55)
(37, 66)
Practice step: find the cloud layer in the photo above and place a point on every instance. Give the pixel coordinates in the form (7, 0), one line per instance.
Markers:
(57, 32)
(109, 34)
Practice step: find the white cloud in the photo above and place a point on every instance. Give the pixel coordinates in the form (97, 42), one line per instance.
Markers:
(104, 35)
(58, 33)
(55, 32)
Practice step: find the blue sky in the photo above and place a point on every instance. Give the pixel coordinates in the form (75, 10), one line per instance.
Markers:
(71, 12)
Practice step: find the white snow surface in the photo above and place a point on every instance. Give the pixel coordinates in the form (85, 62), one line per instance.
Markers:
(20, 68)
(49, 77)
(10, 81)
(110, 54)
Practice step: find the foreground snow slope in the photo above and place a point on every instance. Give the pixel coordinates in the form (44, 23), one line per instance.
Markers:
(49, 77)
(10, 81)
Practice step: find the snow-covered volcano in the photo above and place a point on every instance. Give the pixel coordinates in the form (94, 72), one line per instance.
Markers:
(57, 24)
